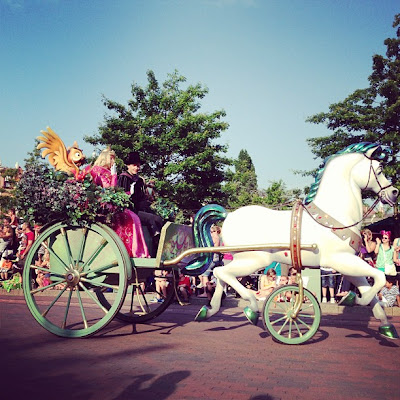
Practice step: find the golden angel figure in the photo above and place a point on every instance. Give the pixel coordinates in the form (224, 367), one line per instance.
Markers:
(62, 159)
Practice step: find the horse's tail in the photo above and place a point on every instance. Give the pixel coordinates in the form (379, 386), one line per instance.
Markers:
(202, 223)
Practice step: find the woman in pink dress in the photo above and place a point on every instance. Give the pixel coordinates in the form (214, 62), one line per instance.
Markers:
(126, 224)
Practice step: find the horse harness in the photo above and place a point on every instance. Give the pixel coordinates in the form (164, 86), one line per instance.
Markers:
(341, 231)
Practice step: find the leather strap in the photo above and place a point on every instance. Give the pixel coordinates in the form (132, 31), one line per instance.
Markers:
(295, 233)
(336, 227)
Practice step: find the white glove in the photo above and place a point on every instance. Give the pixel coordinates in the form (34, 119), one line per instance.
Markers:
(113, 169)
(132, 189)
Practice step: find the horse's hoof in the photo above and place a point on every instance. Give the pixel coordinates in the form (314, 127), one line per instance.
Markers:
(202, 314)
(348, 300)
(251, 315)
(388, 331)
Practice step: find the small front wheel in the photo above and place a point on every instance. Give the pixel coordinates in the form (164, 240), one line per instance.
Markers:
(279, 318)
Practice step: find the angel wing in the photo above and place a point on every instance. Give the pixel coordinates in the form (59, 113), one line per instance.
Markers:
(57, 152)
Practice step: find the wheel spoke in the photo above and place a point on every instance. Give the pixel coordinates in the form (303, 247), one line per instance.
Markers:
(82, 310)
(94, 254)
(51, 251)
(278, 320)
(306, 307)
(41, 289)
(67, 247)
(145, 307)
(83, 244)
(67, 310)
(298, 329)
(306, 315)
(100, 284)
(92, 297)
(100, 269)
(304, 323)
(284, 324)
(53, 302)
(290, 328)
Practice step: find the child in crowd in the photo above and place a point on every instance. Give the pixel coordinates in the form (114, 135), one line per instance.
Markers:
(328, 281)
(43, 278)
(184, 289)
(284, 280)
(5, 268)
(389, 296)
(267, 284)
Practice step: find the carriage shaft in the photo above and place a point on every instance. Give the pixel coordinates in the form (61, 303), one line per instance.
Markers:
(228, 249)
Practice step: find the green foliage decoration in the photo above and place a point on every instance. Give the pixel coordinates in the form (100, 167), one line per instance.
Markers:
(165, 208)
(45, 195)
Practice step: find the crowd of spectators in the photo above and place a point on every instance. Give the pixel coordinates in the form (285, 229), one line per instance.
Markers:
(15, 241)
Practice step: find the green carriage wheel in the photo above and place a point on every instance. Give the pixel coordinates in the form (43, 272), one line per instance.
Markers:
(140, 303)
(278, 315)
(83, 260)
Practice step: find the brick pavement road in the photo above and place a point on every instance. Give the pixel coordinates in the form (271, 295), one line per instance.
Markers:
(176, 358)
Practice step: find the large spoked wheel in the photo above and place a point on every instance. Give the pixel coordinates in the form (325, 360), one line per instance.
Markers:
(82, 261)
(279, 319)
(150, 292)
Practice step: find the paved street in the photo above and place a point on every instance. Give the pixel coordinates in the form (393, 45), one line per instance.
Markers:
(176, 358)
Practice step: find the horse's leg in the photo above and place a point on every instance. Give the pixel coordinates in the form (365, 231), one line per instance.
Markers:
(353, 266)
(215, 302)
(385, 329)
(363, 286)
(243, 264)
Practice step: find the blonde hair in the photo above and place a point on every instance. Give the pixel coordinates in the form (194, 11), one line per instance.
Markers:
(368, 233)
(104, 159)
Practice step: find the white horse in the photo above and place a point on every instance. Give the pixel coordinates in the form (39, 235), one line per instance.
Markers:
(334, 202)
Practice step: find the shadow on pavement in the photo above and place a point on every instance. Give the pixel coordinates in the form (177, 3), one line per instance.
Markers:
(162, 387)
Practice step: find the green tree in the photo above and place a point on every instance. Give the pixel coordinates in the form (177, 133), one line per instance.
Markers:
(7, 195)
(371, 114)
(176, 141)
(241, 184)
(34, 157)
(277, 196)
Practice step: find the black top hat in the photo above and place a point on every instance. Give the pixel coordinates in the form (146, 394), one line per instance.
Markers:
(133, 158)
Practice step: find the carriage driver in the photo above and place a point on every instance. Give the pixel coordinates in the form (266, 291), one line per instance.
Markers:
(132, 183)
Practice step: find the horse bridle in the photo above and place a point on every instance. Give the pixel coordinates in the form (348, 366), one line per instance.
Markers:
(376, 177)
(369, 209)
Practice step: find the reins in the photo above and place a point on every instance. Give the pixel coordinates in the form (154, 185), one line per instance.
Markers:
(343, 227)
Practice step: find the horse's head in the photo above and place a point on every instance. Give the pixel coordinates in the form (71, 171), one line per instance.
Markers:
(364, 164)
(369, 174)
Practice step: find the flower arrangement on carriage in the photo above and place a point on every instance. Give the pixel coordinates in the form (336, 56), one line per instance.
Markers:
(66, 193)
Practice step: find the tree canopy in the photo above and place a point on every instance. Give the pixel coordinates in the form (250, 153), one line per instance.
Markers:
(241, 184)
(176, 141)
(242, 189)
(371, 114)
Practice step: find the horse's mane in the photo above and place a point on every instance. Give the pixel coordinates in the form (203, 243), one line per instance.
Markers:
(362, 148)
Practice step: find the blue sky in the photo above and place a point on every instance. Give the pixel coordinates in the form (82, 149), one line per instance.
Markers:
(268, 64)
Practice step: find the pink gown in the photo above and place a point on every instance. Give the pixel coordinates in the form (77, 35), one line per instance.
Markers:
(126, 224)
